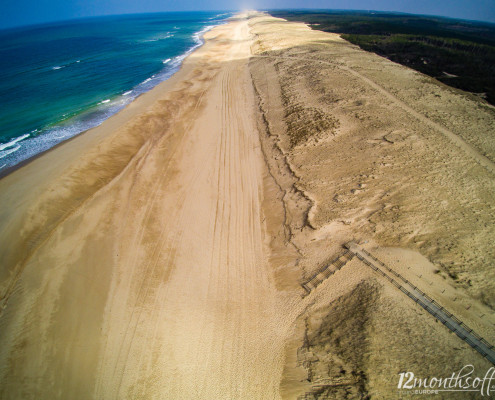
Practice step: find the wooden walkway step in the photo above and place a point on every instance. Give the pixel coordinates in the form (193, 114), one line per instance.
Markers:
(327, 270)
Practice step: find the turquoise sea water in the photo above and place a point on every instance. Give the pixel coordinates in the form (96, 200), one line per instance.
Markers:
(60, 79)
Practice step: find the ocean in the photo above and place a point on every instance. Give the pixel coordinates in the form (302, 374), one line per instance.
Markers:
(60, 79)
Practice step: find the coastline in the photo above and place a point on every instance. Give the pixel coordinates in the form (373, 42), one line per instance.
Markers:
(163, 254)
(162, 76)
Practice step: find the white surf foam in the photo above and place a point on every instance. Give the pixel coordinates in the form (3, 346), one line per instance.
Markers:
(7, 152)
(13, 142)
(158, 37)
(49, 137)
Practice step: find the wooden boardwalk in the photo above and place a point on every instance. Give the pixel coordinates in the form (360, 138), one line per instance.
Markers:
(440, 313)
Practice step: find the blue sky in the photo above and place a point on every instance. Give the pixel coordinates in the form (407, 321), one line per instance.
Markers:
(26, 12)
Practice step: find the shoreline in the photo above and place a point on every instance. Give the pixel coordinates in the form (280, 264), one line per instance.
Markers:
(57, 164)
(173, 71)
(111, 223)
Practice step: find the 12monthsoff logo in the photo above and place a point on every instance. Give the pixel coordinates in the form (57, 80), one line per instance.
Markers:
(462, 381)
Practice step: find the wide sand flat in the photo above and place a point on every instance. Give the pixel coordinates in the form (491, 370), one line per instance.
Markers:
(156, 285)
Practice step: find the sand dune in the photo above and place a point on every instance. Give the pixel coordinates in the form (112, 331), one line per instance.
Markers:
(401, 163)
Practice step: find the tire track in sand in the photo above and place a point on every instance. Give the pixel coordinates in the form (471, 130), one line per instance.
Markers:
(120, 362)
(202, 321)
(225, 339)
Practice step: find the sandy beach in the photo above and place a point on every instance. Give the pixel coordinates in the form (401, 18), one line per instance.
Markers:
(161, 255)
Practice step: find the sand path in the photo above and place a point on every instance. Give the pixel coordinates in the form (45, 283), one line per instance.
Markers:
(457, 140)
(158, 285)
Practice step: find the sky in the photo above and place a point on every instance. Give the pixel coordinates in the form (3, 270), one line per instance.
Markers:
(28, 12)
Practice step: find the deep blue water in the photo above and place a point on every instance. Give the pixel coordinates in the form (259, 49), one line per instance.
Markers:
(60, 79)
